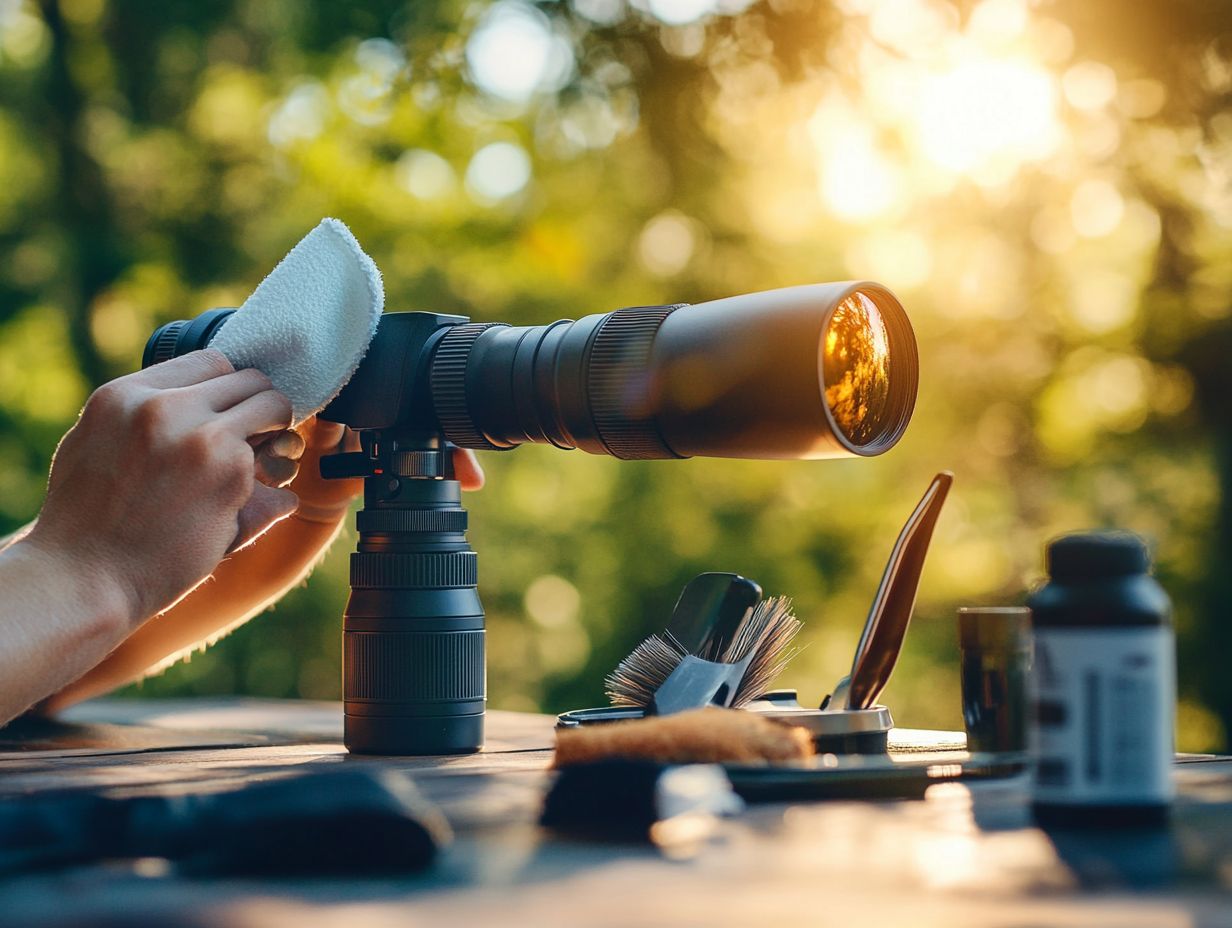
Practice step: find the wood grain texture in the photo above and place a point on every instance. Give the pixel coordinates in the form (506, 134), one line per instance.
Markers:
(964, 855)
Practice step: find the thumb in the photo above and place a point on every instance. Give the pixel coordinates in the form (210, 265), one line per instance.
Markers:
(266, 506)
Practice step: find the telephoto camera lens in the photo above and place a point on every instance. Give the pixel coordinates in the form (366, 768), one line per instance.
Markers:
(829, 370)
(820, 371)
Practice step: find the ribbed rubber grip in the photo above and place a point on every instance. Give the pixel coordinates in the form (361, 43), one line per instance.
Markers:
(411, 520)
(417, 463)
(419, 667)
(448, 383)
(164, 345)
(379, 570)
(619, 385)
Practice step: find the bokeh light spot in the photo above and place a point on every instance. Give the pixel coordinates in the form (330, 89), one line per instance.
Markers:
(513, 53)
(498, 171)
(987, 110)
(301, 116)
(1096, 208)
(667, 243)
(996, 23)
(905, 24)
(600, 12)
(857, 182)
(1089, 85)
(552, 602)
(679, 12)
(425, 174)
(24, 38)
(1104, 300)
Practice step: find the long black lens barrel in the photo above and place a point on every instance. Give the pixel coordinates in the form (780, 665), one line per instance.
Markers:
(828, 370)
(413, 630)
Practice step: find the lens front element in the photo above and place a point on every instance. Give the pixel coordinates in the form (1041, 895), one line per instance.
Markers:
(855, 366)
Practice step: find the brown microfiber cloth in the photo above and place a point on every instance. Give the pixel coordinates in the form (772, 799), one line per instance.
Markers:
(700, 736)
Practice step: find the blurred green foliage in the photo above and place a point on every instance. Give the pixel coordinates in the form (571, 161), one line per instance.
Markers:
(1046, 188)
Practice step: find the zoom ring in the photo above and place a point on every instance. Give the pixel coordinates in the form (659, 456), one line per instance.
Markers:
(448, 382)
(618, 382)
(389, 571)
(411, 520)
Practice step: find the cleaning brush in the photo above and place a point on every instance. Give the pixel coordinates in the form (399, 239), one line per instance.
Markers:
(729, 666)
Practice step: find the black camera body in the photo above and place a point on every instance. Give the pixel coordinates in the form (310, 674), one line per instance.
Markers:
(390, 388)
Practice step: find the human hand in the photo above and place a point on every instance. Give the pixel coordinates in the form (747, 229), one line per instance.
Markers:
(157, 480)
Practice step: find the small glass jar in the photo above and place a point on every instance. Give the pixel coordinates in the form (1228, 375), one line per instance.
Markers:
(995, 648)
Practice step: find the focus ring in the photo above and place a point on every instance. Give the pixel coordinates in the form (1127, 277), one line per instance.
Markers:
(619, 383)
(389, 571)
(411, 520)
(448, 382)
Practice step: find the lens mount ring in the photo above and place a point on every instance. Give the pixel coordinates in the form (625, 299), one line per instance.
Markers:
(448, 383)
(619, 383)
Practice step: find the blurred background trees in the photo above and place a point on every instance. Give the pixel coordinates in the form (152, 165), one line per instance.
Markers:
(1048, 187)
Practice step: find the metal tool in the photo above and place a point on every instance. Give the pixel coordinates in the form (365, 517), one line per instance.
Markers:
(882, 638)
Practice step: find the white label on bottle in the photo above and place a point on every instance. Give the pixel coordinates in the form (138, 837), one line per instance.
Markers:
(1105, 704)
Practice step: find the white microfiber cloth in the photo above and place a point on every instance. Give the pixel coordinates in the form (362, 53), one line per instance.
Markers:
(309, 323)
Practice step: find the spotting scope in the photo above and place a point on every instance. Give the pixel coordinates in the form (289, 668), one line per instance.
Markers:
(820, 371)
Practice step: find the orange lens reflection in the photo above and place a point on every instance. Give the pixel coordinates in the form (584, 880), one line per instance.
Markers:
(855, 367)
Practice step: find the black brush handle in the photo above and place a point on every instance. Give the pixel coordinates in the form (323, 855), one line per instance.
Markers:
(710, 610)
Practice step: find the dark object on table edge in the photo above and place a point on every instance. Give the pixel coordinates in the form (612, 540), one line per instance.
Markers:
(355, 822)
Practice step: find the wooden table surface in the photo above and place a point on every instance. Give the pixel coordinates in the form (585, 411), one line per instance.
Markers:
(964, 855)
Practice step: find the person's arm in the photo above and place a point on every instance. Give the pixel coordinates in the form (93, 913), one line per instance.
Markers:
(244, 584)
(17, 535)
(248, 581)
(57, 621)
(148, 491)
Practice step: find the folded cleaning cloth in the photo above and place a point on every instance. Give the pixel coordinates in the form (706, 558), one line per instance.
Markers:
(309, 323)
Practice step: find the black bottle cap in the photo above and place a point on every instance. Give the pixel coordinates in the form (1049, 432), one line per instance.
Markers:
(1097, 555)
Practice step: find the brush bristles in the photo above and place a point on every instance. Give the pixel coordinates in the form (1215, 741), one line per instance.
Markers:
(767, 632)
(635, 679)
